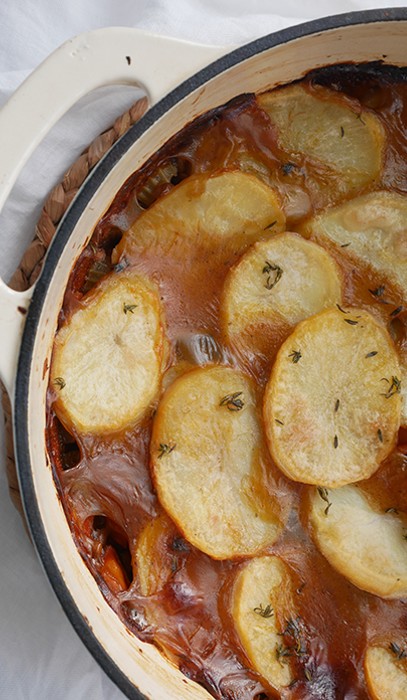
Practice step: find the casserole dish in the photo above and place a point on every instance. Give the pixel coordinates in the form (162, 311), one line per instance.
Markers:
(277, 59)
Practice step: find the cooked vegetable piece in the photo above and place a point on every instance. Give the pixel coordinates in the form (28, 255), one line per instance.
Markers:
(332, 404)
(373, 228)
(109, 355)
(366, 545)
(334, 131)
(153, 558)
(279, 281)
(386, 672)
(231, 208)
(206, 454)
(261, 599)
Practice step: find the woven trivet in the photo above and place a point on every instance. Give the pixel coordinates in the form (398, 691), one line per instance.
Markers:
(30, 266)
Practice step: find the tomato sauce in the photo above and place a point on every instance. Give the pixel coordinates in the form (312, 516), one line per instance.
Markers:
(105, 482)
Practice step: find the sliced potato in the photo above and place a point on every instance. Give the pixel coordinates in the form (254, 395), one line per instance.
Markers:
(109, 355)
(153, 558)
(230, 208)
(386, 674)
(366, 545)
(332, 404)
(329, 128)
(281, 280)
(261, 596)
(206, 453)
(373, 228)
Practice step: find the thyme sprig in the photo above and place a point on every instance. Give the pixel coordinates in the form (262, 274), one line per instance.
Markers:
(59, 382)
(129, 308)
(233, 401)
(274, 273)
(295, 356)
(394, 387)
(165, 449)
(264, 612)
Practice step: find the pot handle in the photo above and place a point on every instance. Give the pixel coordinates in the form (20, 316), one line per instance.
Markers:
(114, 55)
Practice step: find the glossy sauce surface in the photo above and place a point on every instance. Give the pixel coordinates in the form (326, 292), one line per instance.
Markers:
(105, 482)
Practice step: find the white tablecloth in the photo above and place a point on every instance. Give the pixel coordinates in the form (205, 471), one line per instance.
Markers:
(41, 658)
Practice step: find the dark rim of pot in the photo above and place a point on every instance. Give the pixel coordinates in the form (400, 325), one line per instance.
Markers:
(79, 622)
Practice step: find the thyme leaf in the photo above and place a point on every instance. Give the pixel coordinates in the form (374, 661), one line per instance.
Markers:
(397, 650)
(351, 321)
(59, 382)
(336, 441)
(371, 354)
(337, 404)
(280, 422)
(324, 495)
(380, 435)
(397, 311)
(232, 401)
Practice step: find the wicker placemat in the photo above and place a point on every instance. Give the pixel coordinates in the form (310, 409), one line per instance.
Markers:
(31, 263)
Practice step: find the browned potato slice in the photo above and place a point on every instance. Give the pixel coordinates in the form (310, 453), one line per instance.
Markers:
(386, 673)
(283, 279)
(373, 228)
(261, 596)
(328, 128)
(332, 404)
(153, 558)
(366, 545)
(206, 450)
(206, 210)
(109, 355)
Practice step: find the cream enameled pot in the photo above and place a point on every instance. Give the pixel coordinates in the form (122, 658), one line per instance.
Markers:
(157, 64)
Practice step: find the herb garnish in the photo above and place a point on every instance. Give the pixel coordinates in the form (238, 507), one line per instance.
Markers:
(371, 354)
(337, 404)
(398, 651)
(269, 269)
(296, 356)
(345, 245)
(380, 435)
(396, 312)
(394, 388)
(280, 422)
(129, 308)
(324, 495)
(59, 382)
(351, 321)
(342, 132)
(165, 449)
(264, 612)
(336, 442)
(341, 309)
(232, 401)
(273, 223)
(282, 652)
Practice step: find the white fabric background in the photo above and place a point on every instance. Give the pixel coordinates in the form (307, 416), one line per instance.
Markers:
(41, 658)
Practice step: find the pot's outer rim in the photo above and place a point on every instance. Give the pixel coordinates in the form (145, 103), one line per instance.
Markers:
(67, 225)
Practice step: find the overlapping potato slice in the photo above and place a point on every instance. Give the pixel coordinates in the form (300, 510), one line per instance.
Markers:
(261, 597)
(332, 130)
(386, 672)
(153, 558)
(109, 355)
(281, 280)
(228, 208)
(372, 229)
(206, 453)
(332, 404)
(366, 545)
